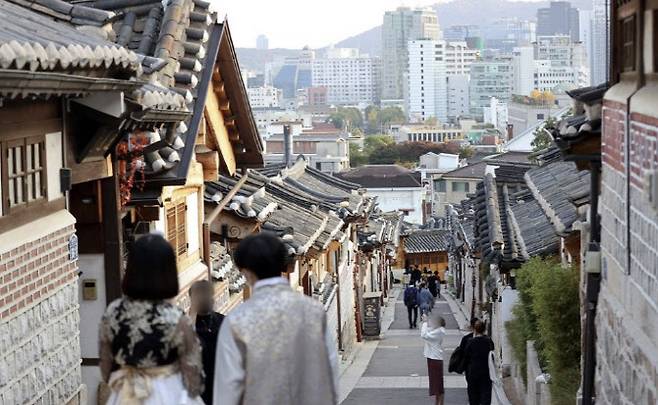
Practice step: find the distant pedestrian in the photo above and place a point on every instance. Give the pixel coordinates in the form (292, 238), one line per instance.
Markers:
(432, 331)
(416, 275)
(149, 352)
(411, 302)
(477, 366)
(425, 300)
(206, 324)
(432, 284)
(438, 284)
(276, 347)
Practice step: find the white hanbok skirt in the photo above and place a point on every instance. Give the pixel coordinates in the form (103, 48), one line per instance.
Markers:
(164, 390)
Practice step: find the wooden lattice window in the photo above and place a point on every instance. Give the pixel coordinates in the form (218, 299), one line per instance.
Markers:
(23, 172)
(177, 228)
(628, 43)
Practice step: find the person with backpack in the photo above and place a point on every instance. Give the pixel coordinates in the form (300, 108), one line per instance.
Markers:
(425, 300)
(457, 360)
(411, 302)
(476, 357)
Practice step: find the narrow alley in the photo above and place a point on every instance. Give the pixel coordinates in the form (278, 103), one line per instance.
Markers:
(393, 371)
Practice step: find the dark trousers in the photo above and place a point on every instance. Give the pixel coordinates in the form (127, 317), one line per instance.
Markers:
(412, 309)
(479, 391)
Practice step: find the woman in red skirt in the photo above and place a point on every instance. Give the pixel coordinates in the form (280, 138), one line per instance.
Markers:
(432, 332)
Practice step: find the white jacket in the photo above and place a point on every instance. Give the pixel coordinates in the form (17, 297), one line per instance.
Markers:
(433, 341)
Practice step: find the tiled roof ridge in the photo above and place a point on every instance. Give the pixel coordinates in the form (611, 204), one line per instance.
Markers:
(55, 45)
(76, 14)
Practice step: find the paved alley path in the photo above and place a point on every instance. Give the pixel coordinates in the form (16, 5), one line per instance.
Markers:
(397, 372)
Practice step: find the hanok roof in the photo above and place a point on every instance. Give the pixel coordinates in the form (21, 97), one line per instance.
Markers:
(382, 176)
(560, 190)
(427, 241)
(305, 207)
(40, 56)
(536, 236)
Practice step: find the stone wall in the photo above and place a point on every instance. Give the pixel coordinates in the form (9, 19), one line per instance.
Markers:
(627, 314)
(39, 320)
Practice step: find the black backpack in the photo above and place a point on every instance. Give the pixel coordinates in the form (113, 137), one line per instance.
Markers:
(457, 363)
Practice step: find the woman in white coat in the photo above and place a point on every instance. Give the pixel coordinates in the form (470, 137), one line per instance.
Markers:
(432, 331)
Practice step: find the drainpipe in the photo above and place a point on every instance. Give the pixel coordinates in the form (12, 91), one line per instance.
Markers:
(287, 145)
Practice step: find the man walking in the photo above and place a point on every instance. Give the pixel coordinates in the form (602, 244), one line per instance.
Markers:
(206, 323)
(432, 284)
(477, 366)
(416, 275)
(275, 348)
(425, 300)
(411, 302)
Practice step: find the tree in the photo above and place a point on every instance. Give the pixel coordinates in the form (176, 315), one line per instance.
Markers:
(543, 138)
(431, 121)
(376, 142)
(466, 152)
(391, 115)
(387, 154)
(346, 118)
(357, 156)
(372, 114)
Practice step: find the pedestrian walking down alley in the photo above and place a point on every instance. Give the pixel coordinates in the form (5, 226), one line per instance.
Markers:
(396, 372)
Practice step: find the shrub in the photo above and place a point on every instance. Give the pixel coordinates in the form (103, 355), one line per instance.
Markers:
(548, 312)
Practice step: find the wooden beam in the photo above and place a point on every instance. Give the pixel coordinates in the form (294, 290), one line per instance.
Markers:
(113, 237)
(213, 215)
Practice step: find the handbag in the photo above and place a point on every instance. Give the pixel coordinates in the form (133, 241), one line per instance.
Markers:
(457, 361)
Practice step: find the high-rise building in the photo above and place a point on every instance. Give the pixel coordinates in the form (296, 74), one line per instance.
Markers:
(348, 80)
(459, 58)
(585, 22)
(492, 76)
(264, 97)
(401, 26)
(559, 18)
(461, 32)
(262, 42)
(524, 67)
(600, 53)
(458, 96)
(428, 92)
(560, 60)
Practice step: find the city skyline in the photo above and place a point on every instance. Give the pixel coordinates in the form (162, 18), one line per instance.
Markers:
(273, 20)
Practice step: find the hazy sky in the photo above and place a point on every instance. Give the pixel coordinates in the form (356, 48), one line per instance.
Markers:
(295, 23)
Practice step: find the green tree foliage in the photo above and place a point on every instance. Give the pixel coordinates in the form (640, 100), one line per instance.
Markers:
(548, 312)
(357, 156)
(347, 118)
(466, 152)
(543, 138)
(379, 119)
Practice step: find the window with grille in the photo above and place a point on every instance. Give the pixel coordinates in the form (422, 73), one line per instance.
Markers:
(23, 172)
(177, 228)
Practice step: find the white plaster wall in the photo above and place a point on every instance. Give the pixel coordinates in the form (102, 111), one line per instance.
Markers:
(92, 267)
(159, 225)
(394, 199)
(54, 164)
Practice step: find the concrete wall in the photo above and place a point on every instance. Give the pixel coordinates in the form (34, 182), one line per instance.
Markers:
(39, 321)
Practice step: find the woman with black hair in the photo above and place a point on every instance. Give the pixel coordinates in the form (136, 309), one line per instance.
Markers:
(149, 352)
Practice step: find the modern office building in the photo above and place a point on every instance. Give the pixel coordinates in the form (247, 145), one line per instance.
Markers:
(560, 60)
(492, 76)
(459, 58)
(496, 114)
(349, 80)
(461, 32)
(559, 18)
(523, 60)
(262, 42)
(428, 81)
(600, 54)
(429, 133)
(458, 96)
(401, 26)
(264, 97)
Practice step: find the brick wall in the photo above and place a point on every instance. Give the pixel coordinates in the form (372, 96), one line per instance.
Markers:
(39, 319)
(627, 315)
